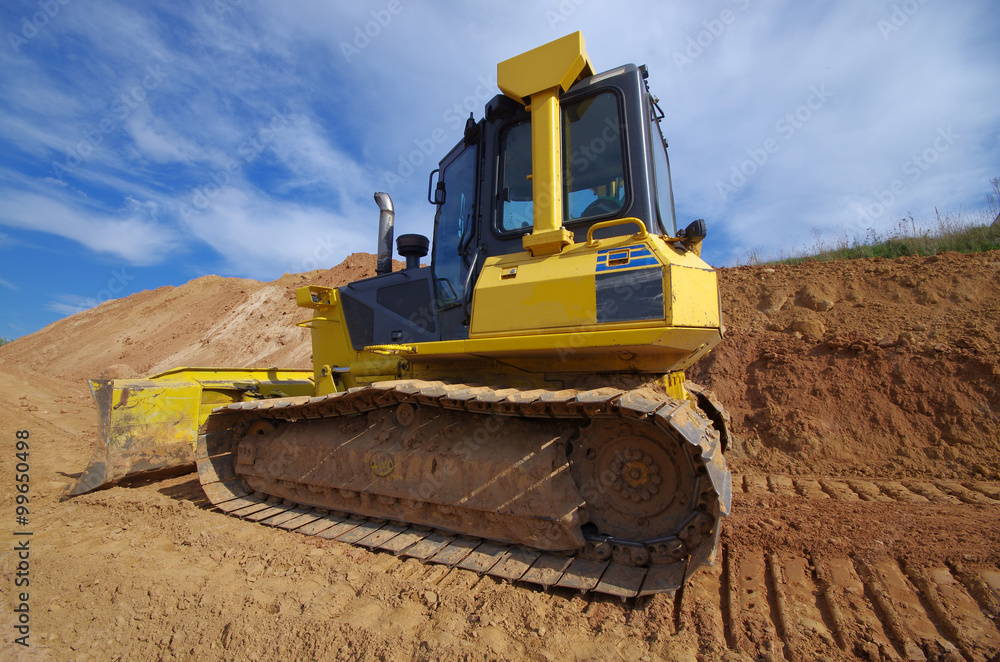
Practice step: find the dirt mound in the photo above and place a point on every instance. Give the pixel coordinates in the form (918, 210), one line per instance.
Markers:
(208, 321)
(875, 367)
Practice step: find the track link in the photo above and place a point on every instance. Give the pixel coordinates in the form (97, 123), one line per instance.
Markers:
(624, 567)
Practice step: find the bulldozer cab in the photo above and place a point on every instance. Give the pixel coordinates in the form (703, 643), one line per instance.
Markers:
(484, 194)
(553, 215)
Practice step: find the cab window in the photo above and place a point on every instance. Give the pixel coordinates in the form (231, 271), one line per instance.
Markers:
(452, 226)
(593, 174)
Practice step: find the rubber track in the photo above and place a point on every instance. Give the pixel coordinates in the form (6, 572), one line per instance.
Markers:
(216, 459)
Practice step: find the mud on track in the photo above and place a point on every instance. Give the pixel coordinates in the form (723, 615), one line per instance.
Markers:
(866, 508)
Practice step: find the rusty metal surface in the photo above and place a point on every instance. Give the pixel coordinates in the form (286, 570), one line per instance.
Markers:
(484, 479)
(436, 471)
(622, 580)
(514, 564)
(583, 574)
(483, 557)
(406, 539)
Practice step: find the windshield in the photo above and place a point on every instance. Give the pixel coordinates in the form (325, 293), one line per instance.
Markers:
(593, 174)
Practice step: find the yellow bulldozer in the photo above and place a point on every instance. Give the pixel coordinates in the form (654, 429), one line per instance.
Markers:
(518, 407)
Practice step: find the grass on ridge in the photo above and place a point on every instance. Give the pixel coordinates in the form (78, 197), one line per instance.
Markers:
(951, 234)
(959, 232)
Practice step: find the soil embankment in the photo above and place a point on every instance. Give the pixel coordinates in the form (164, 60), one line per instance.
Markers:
(865, 397)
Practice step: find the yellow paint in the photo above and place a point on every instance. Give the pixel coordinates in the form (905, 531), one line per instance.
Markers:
(546, 293)
(599, 338)
(558, 63)
(536, 311)
(558, 292)
(536, 78)
(152, 423)
(641, 235)
(546, 242)
(694, 296)
(331, 341)
(190, 394)
(673, 384)
(159, 413)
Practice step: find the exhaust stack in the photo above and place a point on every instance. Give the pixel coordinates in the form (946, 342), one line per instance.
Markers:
(385, 221)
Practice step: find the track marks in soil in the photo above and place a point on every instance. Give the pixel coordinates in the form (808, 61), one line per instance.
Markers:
(852, 489)
(768, 601)
(780, 606)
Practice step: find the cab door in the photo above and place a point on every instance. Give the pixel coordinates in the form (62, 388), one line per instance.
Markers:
(455, 244)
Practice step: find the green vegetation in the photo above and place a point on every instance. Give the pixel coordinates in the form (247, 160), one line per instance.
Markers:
(951, 233)
(961, 232)
(4, 341)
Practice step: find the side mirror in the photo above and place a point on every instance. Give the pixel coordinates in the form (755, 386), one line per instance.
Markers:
(693, 235)
(435, 196)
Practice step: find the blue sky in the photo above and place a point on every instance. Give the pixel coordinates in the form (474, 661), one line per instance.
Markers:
(146, 144)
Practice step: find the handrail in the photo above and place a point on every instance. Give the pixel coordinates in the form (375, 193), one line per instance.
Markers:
(306, 324)
(390, 350)
(641, 234)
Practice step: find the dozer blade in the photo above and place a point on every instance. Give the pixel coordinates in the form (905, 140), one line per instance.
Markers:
(143, 425)
(151, 424)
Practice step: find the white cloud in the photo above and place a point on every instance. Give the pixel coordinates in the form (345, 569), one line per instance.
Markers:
(156, 141)
(70, 304)
(136, 239)
(260, 237)
(305, 149)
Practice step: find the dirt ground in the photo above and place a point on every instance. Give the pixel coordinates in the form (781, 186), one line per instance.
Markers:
(865, 398)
